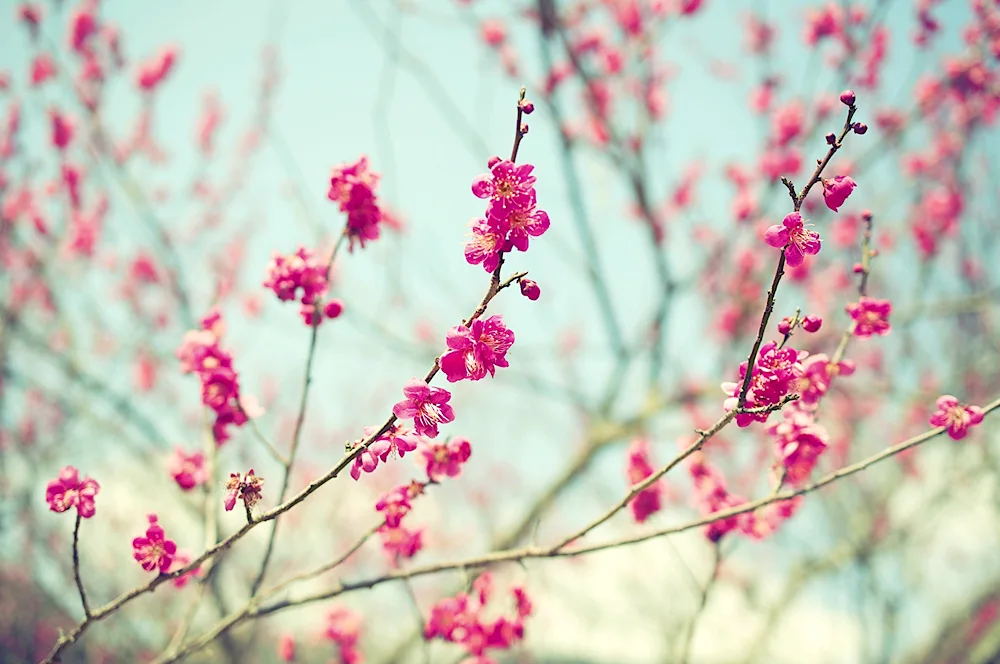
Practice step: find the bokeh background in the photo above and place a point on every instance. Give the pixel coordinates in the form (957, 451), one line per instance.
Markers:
(648, 303)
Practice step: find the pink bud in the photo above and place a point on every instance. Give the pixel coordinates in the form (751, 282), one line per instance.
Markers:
(494, 160)
(524, 128)
(333, 308)
(860, 128)
(530, 289)
(527, 107)
(812, 323)
(785, 325)
(831, 138)
(858, 268)
(847, 97)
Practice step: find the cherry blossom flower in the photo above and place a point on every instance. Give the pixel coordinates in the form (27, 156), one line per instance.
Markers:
(352, 187)
(246, 488)
(476, 350)
(836, 190)
(798, 443)
(648, 501)
(794, 237)
(427, 406)
(957, 417)
(69, 490)
(774, 375)
(444, 459)
(188, 470)
(154, 551)
(871, 316)
(487, 243)
(181, 559)
(508, 186)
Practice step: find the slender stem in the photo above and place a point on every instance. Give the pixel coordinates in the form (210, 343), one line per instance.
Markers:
(76, 567)
(299, 421)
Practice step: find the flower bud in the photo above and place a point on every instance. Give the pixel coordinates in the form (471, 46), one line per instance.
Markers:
(530, 289)
(333, 308)
(860, 128)
(847, 97)
(812, 323)
(785, 325)
(831, 138)
(527, 107)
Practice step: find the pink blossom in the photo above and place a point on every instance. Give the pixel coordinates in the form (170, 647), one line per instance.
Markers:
(774, 375)
(43, 67)
(794, 237)
(826, 22)
(395, 441)
(836, 190)
(343, 627)
(798, 443)
(394, 505)
(530, 289)
(208, 123)
(787, 123)
(427, 406)
(181, 559)
(523, 223)
(246, 488)
(648, 501)
(494, 32)
(508, 186)
(871, 316)
(818, 376)
(812, 323)
(286, 648)
(62, 129)
(476, 350)
(462, 620)
(68, 490)
(400, 542)
(188, 470)
(713, 496)
(301, 271)
(487, 243)
(151, 73)
(444, 459)
(154, 551)
(352, 187)
(957, 417)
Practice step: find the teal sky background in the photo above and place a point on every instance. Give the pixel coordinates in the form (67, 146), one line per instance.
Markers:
(411, 86)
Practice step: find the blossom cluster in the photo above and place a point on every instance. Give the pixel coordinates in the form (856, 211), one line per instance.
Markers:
(713, 496)
(773, 377)
(201, 353)
(69, 490)
(438, 460)
(343, 627)
(302, 277)
(396, 441)
(352, 187)
(461, 619)
(648, 501)
(512, 216)
(477, 349)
